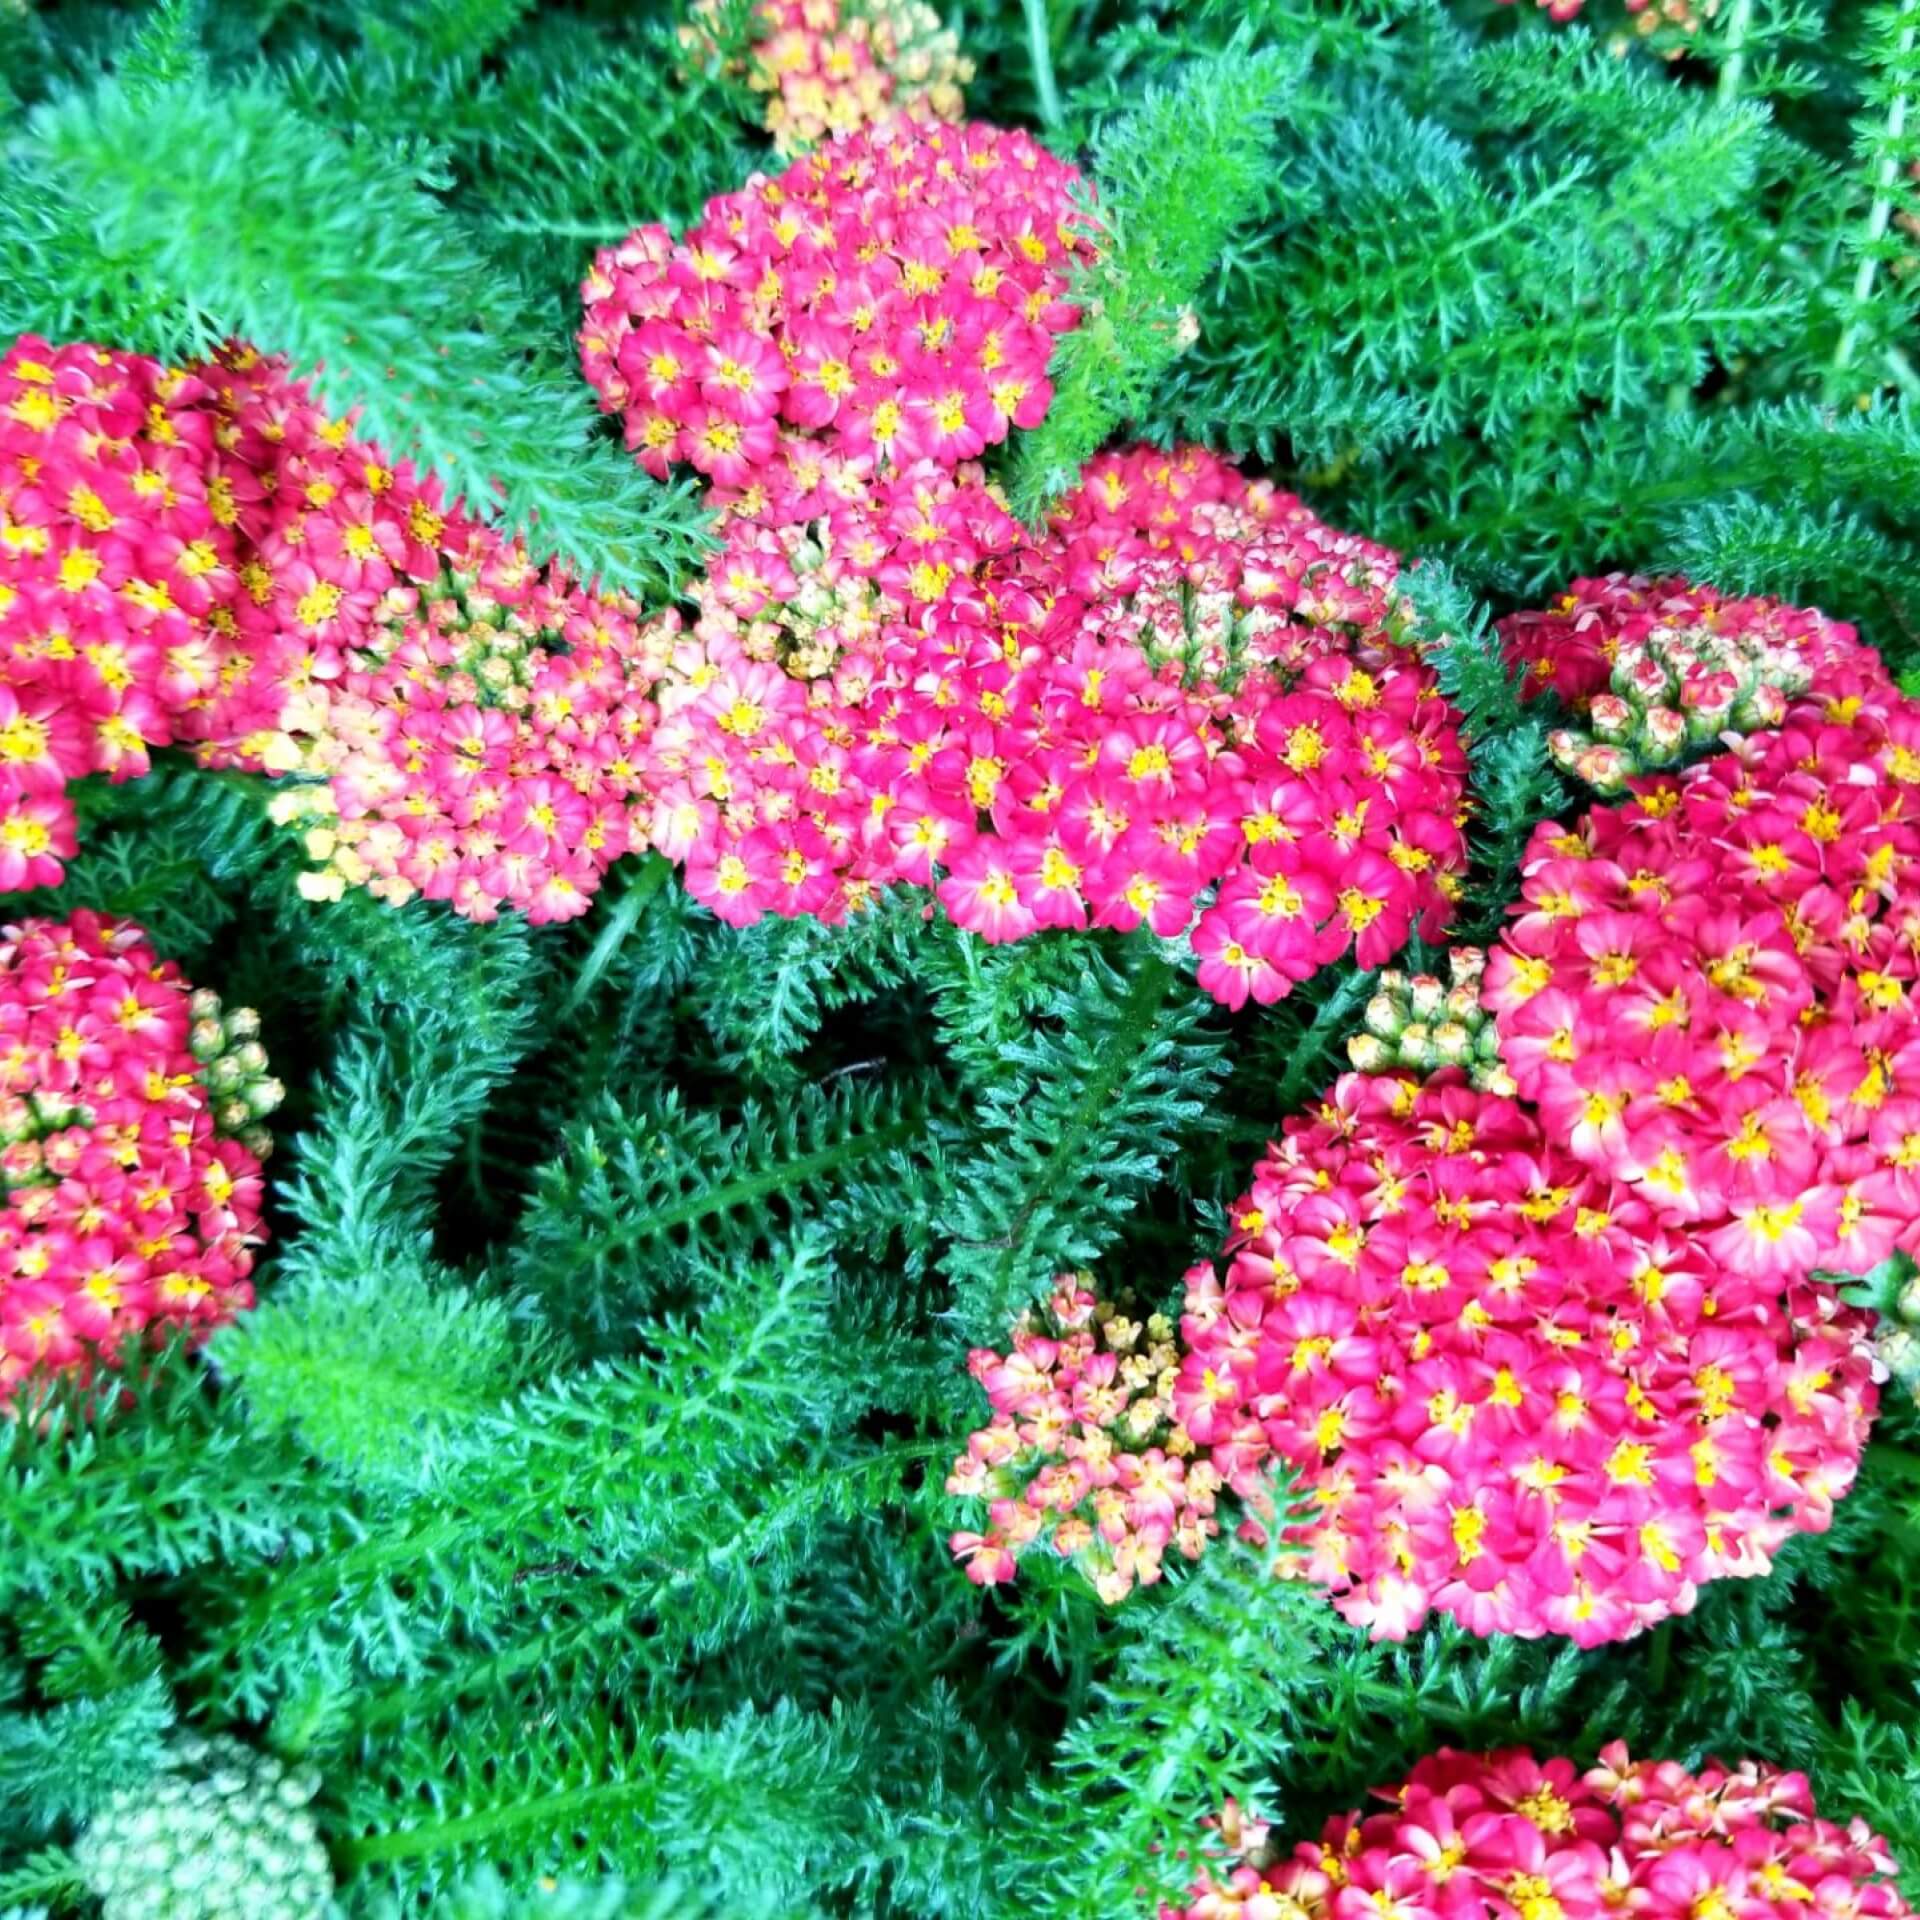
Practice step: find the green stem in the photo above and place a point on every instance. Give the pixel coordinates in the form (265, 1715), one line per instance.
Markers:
(1040, 48)
(1661, 1653)
(1881, 212)
(1734, 69)
(619, 923)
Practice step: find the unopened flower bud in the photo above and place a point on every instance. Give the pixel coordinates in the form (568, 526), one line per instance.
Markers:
(1763, 706)
(1369, 1053)
(1417, 1048)
(1385, 1016)
(1605, 769)
(1611, 718)
(1663, 736)
(1426, 995)
(1647, 681)
(1898, 1350)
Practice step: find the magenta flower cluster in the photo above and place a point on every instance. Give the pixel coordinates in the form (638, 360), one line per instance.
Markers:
(1503, 1833)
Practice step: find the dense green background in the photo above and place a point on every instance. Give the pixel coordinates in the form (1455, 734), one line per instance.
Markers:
(574, 1503)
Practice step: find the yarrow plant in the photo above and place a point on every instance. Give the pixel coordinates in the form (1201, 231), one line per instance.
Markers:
(130, 1109)
(118, 617)
(1706, 992)
(1549, 1362)
(968, 862)
(833, 67)
(1506, 1393)
(889, 298)
(1503, 1832)
(1518, 1394)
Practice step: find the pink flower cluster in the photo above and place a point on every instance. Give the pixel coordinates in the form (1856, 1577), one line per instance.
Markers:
(1518, 1393)
(831, 67)
(1654, 671)
(1191, 685)
(208, 556)
(1082, 1455)
(1308, 732)
(1708, 993)
(890, 298)
(1502, 1833)
(125, 1208)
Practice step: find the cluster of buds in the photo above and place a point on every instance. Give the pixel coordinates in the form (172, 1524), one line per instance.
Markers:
(1420, 1023)
(1083, 1453)
(789, 597)
(1658, 672)
(1892, 1291)
(484, 652)
(1673, 693)
(233, 1066)
(220, 1833)
(27, 1122)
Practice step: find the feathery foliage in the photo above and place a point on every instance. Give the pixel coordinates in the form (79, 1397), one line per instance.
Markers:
(573, 1501)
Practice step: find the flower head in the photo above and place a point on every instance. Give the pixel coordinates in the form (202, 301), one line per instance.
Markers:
(1541, 1840)
(130, 1110)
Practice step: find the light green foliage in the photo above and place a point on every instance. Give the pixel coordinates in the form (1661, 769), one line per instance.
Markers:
(1178, 175)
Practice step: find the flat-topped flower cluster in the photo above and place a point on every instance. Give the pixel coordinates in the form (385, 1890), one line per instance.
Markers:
(1084, 1454)
(907, 689)
(1654, 672)
(1470, 1834)
(129, 1110)
(891, 297)
(1516, 1394)
(1708, 992)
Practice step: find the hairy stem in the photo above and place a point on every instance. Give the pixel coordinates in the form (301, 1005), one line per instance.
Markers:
(1880, 213)
(1046, 91)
